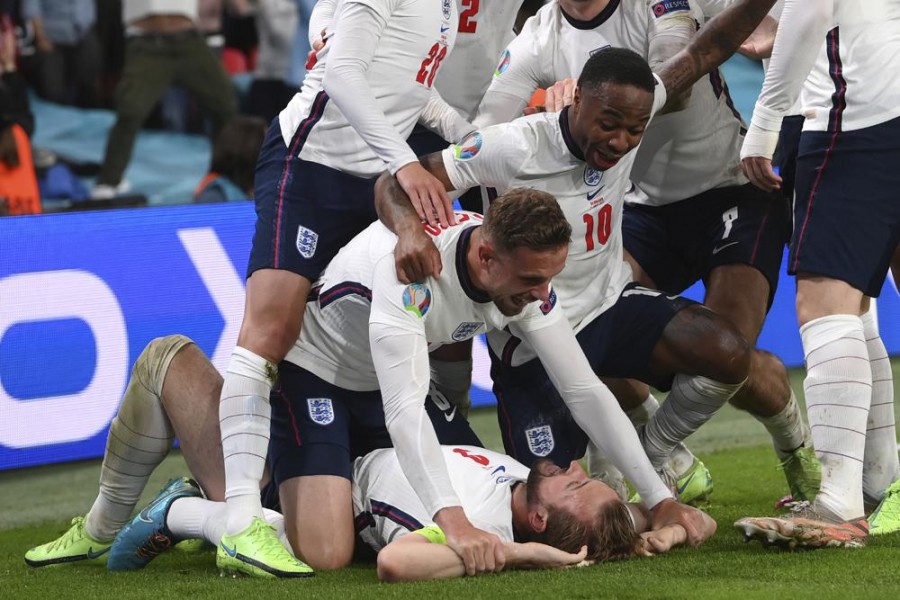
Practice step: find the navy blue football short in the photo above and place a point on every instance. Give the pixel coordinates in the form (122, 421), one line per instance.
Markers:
(678, 244)
(785, 159)
(534, 421)
(318, 428)
(847, 209)
(305, 211)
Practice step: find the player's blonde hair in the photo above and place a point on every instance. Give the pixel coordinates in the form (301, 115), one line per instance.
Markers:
(526, 218)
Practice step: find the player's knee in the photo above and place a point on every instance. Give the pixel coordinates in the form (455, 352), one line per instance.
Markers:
(329, 557)
(269, 338)
(731, 355)
(149, 367)
(390, 567)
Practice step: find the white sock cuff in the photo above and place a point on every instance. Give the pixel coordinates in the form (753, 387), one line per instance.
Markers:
(825, 330)
(249, 364)
(641, 414)
(870, 324)
(709, 388)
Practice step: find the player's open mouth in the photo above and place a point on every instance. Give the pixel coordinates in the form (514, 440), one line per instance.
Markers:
(603, 161)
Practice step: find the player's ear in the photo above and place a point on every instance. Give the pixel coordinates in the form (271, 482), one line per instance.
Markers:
(537, 518)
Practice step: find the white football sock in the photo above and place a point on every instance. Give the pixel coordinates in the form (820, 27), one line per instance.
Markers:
(881, 467)
(681, 459)
(139, 438)
(788, 429)
(838, 388)
(244, 416)
(197, 518)
(691, 403)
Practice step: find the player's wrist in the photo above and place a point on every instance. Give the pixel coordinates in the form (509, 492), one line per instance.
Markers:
(759, 143)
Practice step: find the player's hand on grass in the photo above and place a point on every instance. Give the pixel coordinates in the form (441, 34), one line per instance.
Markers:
(662, 540)
(427, 194)
(698, 525)
(481, 552)
(415, 256)
(759, 171)
(533, 555)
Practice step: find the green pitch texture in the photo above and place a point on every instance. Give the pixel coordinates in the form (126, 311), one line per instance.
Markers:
(37, 504)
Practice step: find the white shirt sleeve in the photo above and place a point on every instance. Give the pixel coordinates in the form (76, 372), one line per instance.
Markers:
(352, 47)
(803, 26)
(443, 119)
(400, 355)
(320, 19)
(670, 32)
(594, 407)
(519, 74)
(490, 157)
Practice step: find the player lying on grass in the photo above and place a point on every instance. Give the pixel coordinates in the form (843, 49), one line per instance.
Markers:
(174, 387)
(366, 330)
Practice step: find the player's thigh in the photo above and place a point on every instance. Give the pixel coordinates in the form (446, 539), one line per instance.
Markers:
(273, 312)
(310, 442)
(846, 215)
(318, 517)
(742, 226)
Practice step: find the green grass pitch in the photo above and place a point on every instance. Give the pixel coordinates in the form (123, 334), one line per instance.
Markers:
(36, 505)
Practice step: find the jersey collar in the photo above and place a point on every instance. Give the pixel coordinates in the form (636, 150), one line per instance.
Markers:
(462, 268)
(567, 135)
(597, 21)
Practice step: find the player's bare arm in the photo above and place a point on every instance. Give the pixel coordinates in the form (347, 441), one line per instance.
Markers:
(415, 558)
(415, 255)
(714, 44)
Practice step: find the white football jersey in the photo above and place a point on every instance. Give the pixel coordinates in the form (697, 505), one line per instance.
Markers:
(485, 28)
(386, 507)
(857, 84)
(418, 36)
(360, 286)
(683, 153)
(538, 152)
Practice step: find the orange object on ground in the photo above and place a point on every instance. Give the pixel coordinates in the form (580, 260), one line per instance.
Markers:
(18, 185)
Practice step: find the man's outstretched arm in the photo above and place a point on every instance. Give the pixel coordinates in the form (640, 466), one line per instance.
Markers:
(716, 41)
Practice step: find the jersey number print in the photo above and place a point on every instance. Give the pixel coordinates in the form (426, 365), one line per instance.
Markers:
(467, 22)
(604, 226)
(431, 64)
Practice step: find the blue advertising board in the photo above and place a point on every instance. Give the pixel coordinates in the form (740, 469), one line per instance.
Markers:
(81, 294)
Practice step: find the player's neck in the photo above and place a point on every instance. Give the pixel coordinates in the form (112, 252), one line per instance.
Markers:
(473, 260)
(519, 505)
(583, 10)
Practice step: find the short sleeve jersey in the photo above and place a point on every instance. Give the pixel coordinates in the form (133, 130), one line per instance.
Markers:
(485, 28)
(538, 152)
(683, 153)
(360, 286)
(416, 39)
(386, 507)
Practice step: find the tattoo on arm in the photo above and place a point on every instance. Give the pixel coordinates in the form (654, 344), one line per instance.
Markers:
(393, 205)
(714, 44)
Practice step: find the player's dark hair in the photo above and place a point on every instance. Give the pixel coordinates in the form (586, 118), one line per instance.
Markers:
(616, 65)
(526, 218)
(236, 149)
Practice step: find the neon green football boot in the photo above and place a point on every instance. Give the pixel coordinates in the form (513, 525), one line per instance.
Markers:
(258, 552)
(693, 487)
(886, 518)
(72, 546)
(803, 472)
